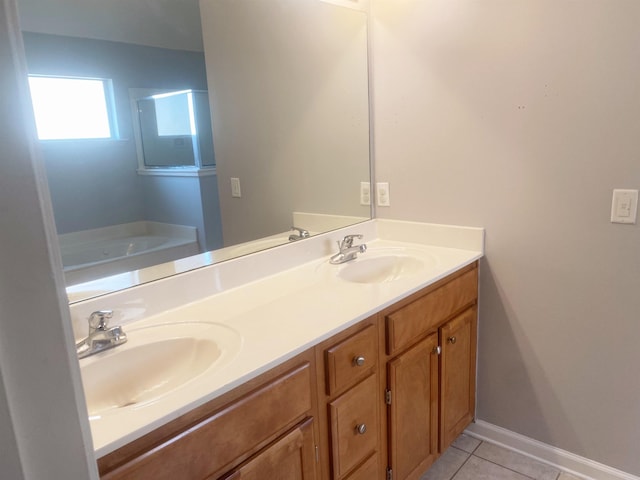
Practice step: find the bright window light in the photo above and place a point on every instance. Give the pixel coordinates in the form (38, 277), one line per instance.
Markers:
(70, 108)
(175, 113)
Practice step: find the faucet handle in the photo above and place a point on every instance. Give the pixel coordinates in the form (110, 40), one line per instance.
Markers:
(347, 241)
(301, 231)
(99, 320)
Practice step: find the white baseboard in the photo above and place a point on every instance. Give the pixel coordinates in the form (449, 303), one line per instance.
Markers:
(568, 462)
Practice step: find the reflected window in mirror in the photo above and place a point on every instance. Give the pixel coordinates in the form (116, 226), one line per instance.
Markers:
(72, 108)
(173, 129)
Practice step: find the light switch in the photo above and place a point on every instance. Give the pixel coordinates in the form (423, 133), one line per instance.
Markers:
(382, 194)
(235, 187)
(365, 193)
(624, 206)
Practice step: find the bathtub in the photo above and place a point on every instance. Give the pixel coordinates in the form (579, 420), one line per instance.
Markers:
(92, 254)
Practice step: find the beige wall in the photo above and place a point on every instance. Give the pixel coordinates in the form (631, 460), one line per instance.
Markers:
(521, 116)
(287, 81)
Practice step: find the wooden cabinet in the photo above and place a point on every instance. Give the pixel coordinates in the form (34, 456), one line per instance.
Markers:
(351, 359)
(458, 375)
(291, 457)
(413, 409)
(382, 398)
(349, 404)
(215, 439)
(427, 310)
(430, 352)
(353, 418)
(367, 471)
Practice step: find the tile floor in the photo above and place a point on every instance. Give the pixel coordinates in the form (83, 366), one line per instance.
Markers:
(471, 459)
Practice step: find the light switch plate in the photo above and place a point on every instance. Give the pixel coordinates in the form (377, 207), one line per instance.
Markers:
(235, 187)
(624, 206)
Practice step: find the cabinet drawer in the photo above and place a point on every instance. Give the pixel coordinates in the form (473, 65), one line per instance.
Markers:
(350, 360)
(354, 426)
(367, 470)
(408, 324)
(228, 436)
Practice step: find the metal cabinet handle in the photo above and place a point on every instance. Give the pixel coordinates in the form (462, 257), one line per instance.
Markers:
(361, 428)
(358, 361)
(451, 340)
(437, 350)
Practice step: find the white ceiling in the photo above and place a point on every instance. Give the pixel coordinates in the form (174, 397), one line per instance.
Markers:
(171, 24)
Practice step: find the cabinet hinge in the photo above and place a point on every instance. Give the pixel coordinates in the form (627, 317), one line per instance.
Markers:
(389, 473)
(387, 396)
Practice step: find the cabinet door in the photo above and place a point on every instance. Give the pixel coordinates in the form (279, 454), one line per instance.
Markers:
(413, 412)
(457, 391)
(292, 457)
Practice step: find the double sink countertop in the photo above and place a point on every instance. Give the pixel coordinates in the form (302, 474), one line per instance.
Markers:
(264, 309)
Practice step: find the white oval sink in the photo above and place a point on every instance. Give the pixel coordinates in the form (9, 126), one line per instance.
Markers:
(382, 264)
(380, 269)
(155, 360)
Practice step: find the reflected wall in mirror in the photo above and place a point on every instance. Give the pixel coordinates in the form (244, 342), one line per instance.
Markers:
(287, 86)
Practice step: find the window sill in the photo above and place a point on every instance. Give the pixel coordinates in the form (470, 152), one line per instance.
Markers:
(178, 171)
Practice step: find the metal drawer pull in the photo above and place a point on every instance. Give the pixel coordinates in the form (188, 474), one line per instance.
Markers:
(358, 361)
(361, 428)
(451, 340)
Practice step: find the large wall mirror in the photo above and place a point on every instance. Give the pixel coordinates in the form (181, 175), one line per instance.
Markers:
(256, 113)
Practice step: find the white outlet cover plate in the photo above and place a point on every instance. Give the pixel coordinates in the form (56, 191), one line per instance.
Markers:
(365, 193)
(382, 194)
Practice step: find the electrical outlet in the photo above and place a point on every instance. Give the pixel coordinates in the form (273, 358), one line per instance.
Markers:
(365, 193)
(382, 194)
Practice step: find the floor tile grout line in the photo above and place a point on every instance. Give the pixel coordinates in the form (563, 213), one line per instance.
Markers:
(452, 477)
(477, 447)
(509, 468)
(469, 455)
(473, 454)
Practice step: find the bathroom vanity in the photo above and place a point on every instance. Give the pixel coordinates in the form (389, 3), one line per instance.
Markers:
(373, 379)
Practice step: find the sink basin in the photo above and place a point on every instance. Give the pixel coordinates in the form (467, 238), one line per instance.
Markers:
(155, 361)
(383, 264)
(380, 269)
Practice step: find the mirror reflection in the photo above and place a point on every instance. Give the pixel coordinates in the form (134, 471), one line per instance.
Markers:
(174, 129)
(227, 123)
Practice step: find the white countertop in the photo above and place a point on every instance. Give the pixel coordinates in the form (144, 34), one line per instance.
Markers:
(281, 315)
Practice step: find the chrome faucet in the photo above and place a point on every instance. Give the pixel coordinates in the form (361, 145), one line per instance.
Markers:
(302, 233)
(100, 337)
(347, 250)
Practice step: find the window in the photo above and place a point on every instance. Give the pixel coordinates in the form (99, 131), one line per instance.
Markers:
(69, 108)
(174, 114)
